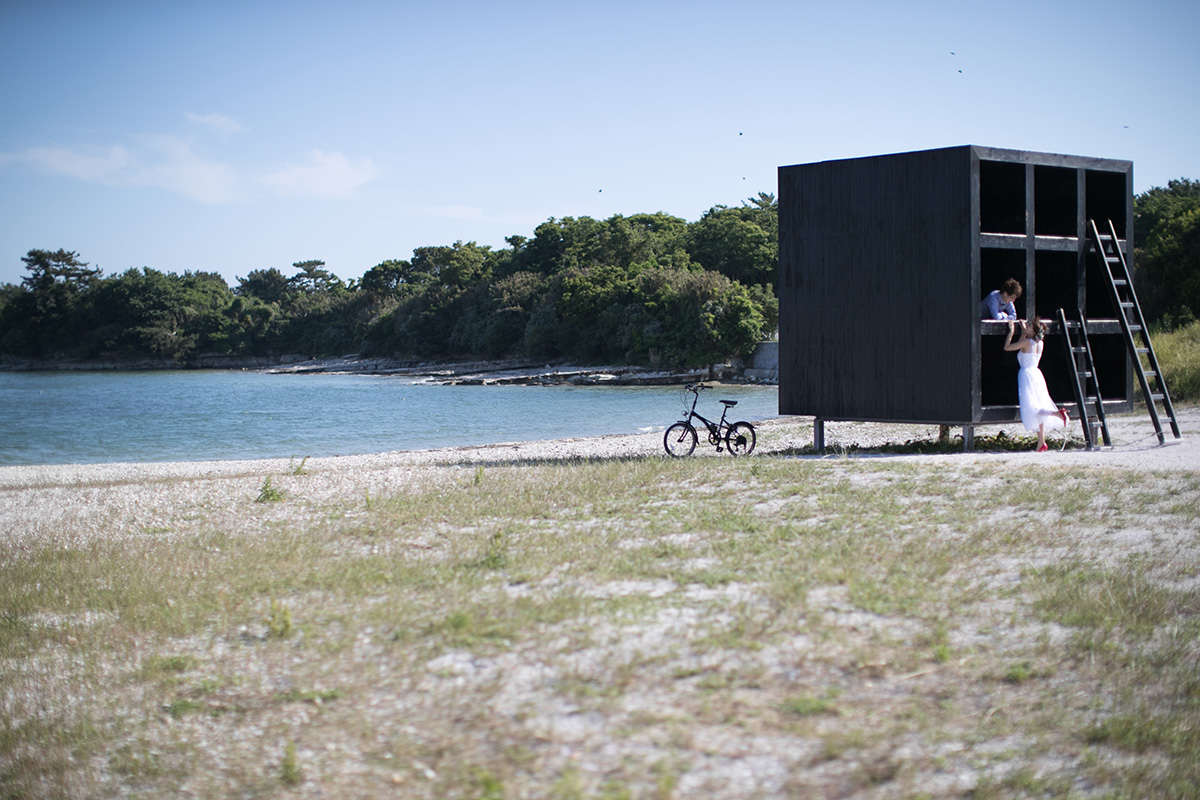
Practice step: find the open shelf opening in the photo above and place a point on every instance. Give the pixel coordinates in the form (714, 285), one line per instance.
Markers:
(1001, 197)
(1056, 202)
(1106, 199)
(1110, 354)
(998, 373)
(1056, 368)
(1056, 284)
(1098, 302)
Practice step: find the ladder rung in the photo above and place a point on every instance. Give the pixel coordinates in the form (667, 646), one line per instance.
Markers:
(1157, 397)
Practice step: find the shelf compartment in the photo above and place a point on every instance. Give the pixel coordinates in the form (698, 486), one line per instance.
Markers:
(1001, 197)
(1056, 198)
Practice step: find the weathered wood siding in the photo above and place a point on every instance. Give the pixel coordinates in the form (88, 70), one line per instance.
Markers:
(875, 278)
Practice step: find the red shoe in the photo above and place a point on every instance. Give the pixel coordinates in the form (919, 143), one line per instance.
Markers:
(1043, 448)
(1062, 412)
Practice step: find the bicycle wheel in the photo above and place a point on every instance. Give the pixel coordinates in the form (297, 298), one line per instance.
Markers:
(740, 439)
(679, 440)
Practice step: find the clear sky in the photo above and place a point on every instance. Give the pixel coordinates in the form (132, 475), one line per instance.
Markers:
(232, 136)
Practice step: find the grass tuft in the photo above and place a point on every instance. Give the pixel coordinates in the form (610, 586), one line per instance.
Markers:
(279, 620)
(289, 768)
(268, 493)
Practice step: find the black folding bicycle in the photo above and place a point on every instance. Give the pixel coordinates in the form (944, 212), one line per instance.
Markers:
(737, 438)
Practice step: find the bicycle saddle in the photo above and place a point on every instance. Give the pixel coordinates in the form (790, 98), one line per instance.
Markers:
(729, 403)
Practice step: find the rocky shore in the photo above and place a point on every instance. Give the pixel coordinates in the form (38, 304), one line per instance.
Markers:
(478, 373)
(488, 373)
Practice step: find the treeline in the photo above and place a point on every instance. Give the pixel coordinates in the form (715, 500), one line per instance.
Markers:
(1166, 228)
(647, 289)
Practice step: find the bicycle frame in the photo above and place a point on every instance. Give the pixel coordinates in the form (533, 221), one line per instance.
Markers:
(714, 428)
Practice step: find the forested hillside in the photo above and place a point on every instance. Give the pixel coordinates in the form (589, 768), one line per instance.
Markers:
(647, 289)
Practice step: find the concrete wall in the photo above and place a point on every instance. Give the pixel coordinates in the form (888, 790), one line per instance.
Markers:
(764, 363)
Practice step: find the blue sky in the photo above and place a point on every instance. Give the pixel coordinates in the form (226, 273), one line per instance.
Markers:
(232, 136)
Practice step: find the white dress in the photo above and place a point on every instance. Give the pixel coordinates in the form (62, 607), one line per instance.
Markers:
(1036, 406)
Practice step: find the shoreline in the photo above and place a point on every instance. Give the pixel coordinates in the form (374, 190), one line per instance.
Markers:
(1135, 447)
(460, 372)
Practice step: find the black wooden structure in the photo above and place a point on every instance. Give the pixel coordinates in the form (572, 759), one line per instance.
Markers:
(883, 262)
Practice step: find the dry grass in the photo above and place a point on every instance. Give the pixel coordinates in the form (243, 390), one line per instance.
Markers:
(616, 628)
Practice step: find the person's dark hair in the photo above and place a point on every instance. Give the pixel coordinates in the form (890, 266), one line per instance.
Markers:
(1012, 288)
(1038, 329)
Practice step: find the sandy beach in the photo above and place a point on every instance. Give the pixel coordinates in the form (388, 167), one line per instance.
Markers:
(75, 501)
(1135, 446)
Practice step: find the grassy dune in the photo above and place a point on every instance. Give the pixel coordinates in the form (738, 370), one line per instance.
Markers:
(616, 628)
(1179, 356)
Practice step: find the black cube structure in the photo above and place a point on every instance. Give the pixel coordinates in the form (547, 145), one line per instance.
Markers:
(883, 262)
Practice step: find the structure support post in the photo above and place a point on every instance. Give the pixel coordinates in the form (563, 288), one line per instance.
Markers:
(819, 435)
(968, 438)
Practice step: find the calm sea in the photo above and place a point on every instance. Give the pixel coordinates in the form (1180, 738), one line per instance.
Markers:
(99, 417)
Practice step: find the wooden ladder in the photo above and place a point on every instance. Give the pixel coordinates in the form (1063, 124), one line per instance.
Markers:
(1154, 389)
(1083, 379)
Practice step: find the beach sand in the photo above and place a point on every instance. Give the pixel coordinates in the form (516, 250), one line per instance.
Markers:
(80, 500)
(32, 493)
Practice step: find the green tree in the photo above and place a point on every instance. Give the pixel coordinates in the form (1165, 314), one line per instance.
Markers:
(49, 317)
(1167, 251)
(252, 326)
(741, 243)
(387, 277)
(140, 312)
(558, 245)
(269, 285)
(205, 316)
(60, 268)
(313, 278)
(1160, 203)
(1171, 265)
(699, 318)
(648, 314)
(456, 267)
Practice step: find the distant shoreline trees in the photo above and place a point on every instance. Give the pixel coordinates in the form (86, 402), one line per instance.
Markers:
(648, 289)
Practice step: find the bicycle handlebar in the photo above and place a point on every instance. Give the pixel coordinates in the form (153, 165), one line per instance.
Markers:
(696, 387)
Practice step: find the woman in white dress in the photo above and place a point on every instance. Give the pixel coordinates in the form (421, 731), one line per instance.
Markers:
(1038, 411)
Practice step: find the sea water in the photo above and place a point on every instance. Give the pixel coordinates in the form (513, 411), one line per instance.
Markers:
(204, 415)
